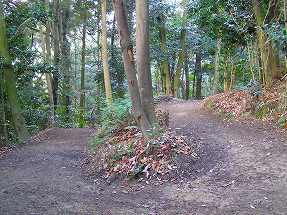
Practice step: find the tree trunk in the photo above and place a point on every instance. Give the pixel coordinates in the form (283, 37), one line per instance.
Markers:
(264, 46)
(198, 74)
(164, 61)
(226, 80)
(66, 61)
(143, 59)
(113, 46)
(56, 42)
(180, 62)
(105, 61)
(10, 82)
(129, 65)
(216, 67)
(3, 126)
(47, 59)
(193, 85)
(232, 75)
(83, 64)
(187, 81)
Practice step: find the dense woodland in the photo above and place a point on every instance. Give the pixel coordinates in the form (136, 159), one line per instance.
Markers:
(76, 63)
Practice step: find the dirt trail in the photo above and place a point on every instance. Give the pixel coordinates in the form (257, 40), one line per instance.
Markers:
(242, 170)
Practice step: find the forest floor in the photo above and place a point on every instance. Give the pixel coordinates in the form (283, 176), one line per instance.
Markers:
(242, 170)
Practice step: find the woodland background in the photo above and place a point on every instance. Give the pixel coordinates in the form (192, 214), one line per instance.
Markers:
(61, 60)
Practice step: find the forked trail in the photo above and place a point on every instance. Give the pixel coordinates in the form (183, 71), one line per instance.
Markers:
(242, 170)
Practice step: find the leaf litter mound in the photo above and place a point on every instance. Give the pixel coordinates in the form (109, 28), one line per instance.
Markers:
(269, 104)
(234, 103)
(126, 154)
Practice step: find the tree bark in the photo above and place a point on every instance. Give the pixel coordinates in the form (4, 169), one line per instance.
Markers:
(265, 46)
(3, 126)
(83, 64)
(164, 61)
(232, 75)
(66, 61)
(187, 81)
(10, 82)
(226, 80)
(129, 65)
(47, 59)
(105, 61)
(216, 67)
(193, 85)
(198, 70)
(56, 46)
(143, 59)
(180, 62)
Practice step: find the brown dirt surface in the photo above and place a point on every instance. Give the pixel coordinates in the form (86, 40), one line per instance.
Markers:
(242, 169)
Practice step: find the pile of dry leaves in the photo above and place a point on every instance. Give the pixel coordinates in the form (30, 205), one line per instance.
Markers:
(151, 156)
(266, 106)
(127, 153)
(234, 103)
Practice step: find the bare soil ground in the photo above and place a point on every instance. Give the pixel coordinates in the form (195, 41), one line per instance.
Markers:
(242, 170)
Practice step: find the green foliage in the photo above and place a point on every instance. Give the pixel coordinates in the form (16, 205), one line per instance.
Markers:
(262, 111)
(112, 117)
(123, 151)
(282, 121)
(116, 114)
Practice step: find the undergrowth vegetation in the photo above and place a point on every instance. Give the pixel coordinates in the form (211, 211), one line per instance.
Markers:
(112, 117)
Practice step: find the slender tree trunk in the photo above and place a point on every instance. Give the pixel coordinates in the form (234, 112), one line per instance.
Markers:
(180, 62)
(143, 58)
(66, 58)
(232, 75)
(10, 82)
(113, 46)
(216, 67)
(97, 59)
(129, 64)
(3, 126)
(264, 46)
(105, 61)
(56, 42)
(198, 74)
(47, 58)
(181, 53)
(83, 64)
(226, 80)
(274, 65)
(164, 61)
(187, 81)
(75, 68)
(193, 85)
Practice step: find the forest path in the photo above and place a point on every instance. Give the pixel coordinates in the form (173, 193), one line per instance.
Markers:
(242, 170)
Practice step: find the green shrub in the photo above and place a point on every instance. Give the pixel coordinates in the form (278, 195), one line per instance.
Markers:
(262, 111)
(117, 113)
(282, 121)
(111, 117)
